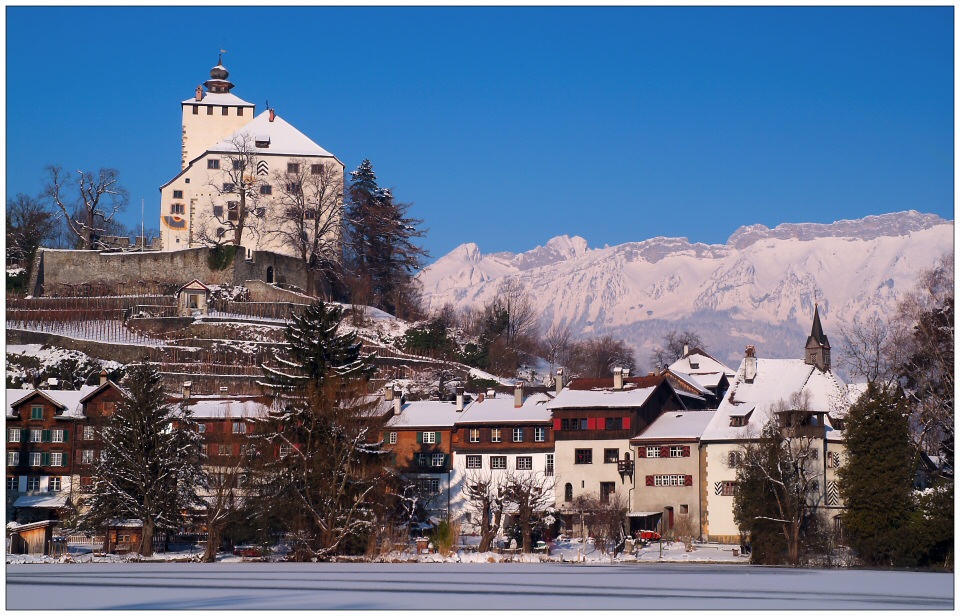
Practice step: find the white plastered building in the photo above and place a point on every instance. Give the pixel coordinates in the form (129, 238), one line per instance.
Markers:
(221, 132)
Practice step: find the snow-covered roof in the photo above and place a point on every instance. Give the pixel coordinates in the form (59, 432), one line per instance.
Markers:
(776, 380)
(599, 393)
(676, 426)
(691, 381)
(501, 409)
(54, 500)
(706, 369)
(284, 138)
(426, 414)
(224, 99)
(219, 408)
(69, 399)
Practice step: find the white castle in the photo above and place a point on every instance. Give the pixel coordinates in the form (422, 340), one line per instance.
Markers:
(247, 177)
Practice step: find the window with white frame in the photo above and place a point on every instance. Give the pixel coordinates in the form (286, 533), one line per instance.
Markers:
(393, 438)
(284, 450)
(90, 433)
(13, 435)
(86, 456)
(653, 452)
(539, 435)
(429, 438)
(474, 461)
(437, 459)
(223, 450)
(36, 436)
(36, 458)
(13, 458)
(53, 484)
(498, 462)
(668, 480)
(676, 452)
(474, 435)
(524, 463)
(494, 435)
(549, 469)
(201, 428)
(33, 484)
(56, 436)
(429, 486)
(423, 459)
(13, 482)
(239, 427)
(56, 458)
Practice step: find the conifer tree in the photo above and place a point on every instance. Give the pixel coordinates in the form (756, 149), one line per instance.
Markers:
(876, 481)
(150, 465)
(324, 436)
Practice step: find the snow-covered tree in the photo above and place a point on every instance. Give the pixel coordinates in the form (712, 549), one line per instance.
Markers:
(325, 431)
(90, 210)
(149, 468)
(380, 252)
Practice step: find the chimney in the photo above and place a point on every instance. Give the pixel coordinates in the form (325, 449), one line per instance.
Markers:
(397, 401)
(52, 383)
(518, 395)
(459, 399)
(186, 389)
(388, 393)
(686, 350)
(273, 115)
(199, 94)
(750, 364)
(626, 373)
(558, 380)
(491, 393)
(103, 376)
(618, 378)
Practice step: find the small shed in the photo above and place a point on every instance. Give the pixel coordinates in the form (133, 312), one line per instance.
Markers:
(123, 536)
(192, 299)
(35, 538)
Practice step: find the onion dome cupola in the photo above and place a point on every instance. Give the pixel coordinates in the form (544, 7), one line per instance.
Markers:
(218, 83)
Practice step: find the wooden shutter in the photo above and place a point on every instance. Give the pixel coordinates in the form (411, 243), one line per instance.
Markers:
(626, 423)
(556, 424)
(591, 423)
(686, 451)
(688, 480)
(24, 435)
(665, 452)
(45, 436)
(420, 437)
(650, 480)
(641, 451)
(436, 437)
(45, 459)
(66, 436)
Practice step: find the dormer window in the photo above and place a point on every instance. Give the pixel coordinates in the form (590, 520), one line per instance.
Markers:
(694, 364)
(738, 421)
(262, 141)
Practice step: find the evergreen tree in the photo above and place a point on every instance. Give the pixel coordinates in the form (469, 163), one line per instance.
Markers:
(877, 479)
(149, 468)
(381, 253)
(327, 480)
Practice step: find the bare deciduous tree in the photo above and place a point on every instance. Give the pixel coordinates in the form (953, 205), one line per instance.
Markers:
(30, 224)
(530, 494)
(98, 199)
(234, 180)
(672, 348)
(597, 357)
(484, 500)
(556, 345)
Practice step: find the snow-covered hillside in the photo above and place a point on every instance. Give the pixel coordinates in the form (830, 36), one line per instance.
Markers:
(759, 288)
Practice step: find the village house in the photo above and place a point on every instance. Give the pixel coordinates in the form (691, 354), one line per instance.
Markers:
(701, 372)
(234, 160)
(667, 495)
(805, 399)
(593, 421)
(500, 436)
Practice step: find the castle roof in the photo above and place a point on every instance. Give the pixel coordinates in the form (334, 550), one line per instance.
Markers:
(219, 99)
(283, 138)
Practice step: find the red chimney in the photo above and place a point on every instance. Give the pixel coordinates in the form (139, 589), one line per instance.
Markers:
(273, 114)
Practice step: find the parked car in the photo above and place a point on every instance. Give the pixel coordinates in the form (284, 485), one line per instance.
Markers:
(650, 535)
(248, 550)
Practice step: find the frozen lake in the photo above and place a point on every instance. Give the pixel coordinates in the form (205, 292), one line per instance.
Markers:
(466, 586)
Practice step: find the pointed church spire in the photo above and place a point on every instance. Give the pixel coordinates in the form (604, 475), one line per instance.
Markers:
(817, 331)
(817, 350)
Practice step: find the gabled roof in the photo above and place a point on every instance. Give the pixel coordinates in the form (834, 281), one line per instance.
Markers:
(705, 368)
(45, 501)
(426, 414)
(599, 393)
(501, 409)
(222, 408)
(194, 285)
(219, 99)
(284, 138)
(68, 400)
(776, 380)
(679, 425)
(98, 388)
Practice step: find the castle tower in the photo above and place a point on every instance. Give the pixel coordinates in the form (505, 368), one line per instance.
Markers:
(817, 350)
(210, 116)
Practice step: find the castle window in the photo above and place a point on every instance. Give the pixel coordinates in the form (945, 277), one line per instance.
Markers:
(293, 187)
(196, 110)
(309, 214)
(229, 187)
(223, 110)
(316, 169)
(213, 163)
(266, 189)
(218, 211)
(233, 211)
(239, 111)
(178, 194)
(209, 110)
(293, 167)
(176, 208)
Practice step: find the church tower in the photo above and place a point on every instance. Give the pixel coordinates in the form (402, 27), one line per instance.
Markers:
(212, 115)
(817, 352)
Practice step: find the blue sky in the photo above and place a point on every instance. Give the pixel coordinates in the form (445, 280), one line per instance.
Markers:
(509, 126)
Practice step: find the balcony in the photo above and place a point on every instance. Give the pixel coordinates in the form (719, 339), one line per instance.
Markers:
(625, 467)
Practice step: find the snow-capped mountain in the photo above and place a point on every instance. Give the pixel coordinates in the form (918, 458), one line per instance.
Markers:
(759, 288)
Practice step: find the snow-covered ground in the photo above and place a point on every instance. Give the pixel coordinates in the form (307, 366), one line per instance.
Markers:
(462, 586)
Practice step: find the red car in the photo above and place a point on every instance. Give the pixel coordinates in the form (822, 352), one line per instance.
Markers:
(650, 535)
(247, 550)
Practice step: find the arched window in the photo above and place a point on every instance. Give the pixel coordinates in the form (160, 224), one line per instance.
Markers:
(568, 492)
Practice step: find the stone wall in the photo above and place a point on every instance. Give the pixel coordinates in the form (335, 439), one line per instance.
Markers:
(59, 271)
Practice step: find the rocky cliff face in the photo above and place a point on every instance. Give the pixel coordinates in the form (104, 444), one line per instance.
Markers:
(759, 288)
